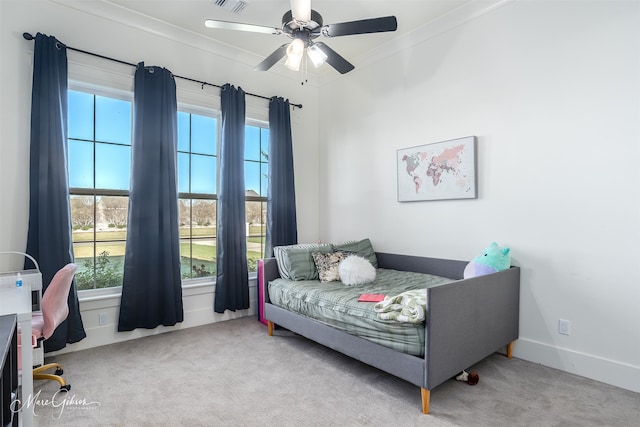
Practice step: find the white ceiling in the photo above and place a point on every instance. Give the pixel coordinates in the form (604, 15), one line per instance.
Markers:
(191, 14)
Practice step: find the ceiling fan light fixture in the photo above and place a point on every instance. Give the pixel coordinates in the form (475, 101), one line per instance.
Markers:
(317, 56)
(295, 50)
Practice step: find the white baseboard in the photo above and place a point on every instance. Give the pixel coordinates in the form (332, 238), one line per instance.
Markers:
(608, 371)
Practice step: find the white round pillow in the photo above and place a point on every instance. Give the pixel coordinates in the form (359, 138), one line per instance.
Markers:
(355, 270)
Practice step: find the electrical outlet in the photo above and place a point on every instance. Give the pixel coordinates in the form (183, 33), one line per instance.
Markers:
(564, 327)
(103, 319)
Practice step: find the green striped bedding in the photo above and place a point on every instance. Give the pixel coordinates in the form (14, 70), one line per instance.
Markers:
(336, 305)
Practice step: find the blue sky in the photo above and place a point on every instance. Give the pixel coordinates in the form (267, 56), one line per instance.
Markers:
(113, 152)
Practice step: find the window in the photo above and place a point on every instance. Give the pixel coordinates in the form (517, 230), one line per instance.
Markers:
(197, 177)
(99, 132)
(256, 161)
(197, 167)
(100, 129)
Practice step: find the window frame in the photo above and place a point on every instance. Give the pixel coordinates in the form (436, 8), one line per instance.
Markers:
(192, 105)
(216, 114)
(261, 124)
(119, 94)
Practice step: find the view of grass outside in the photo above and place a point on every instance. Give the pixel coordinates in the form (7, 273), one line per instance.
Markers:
(110, 250)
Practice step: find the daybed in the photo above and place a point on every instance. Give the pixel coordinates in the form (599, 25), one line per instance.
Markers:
(466, 321)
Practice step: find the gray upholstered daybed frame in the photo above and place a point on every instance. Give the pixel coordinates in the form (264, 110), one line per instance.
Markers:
(467, 320)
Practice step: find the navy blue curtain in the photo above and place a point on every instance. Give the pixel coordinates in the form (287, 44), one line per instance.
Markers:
(151, 288)
(232, 283)
(282, 227)
(49, 235)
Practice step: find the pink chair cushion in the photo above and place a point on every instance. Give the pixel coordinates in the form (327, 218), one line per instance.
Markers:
(37, 324)
(55, 308)
(54, 302)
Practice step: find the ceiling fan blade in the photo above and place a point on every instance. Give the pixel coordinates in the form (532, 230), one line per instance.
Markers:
(272, 59)
(364, 26)
(334, 59)
(301, 10)
(226, 25)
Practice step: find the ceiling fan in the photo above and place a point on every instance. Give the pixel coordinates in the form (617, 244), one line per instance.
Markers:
(303, 25)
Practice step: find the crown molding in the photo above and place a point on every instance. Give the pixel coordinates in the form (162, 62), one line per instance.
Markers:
(104, 9)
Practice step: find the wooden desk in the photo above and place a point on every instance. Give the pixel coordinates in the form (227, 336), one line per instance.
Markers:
(14, 300)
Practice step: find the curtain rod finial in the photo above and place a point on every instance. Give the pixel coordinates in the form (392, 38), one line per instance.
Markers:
(27, 36)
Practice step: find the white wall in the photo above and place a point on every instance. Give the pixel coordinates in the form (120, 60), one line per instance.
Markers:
(552, 91)
(103, 29)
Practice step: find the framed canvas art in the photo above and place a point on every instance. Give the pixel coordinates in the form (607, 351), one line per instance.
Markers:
(439, 171)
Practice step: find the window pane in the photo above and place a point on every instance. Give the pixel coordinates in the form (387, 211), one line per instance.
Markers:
(115, 214)
(264, 177)
(107, 270)
(203, 215)
(252, 178)
(256, 218)
(264, 160)
(204, 259)
(203, 134)
(198, 237)
(252, 143)
(184, 212)
(185, 259)
(203, 174)
(112, 166)
(82, 217)
(80, 164)
(109, 264)
(183, 173)
(113, 120)
(183, 131)
(83, 257)
(80, 115)
(82, 220)
(256, 213)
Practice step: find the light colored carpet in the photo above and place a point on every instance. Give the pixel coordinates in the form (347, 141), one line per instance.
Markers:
(233, 374)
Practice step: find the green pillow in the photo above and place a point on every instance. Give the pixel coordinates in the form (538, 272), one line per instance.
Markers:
(295, 262)
(362, 248)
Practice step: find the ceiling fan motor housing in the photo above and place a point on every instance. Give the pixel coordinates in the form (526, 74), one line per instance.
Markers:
(289, 24)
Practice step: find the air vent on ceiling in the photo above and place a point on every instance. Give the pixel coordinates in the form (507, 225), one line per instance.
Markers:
(235, 6)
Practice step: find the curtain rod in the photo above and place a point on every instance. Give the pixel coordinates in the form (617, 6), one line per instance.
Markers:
(28, 36)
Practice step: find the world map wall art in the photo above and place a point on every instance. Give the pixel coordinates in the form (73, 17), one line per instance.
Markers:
(439, 171)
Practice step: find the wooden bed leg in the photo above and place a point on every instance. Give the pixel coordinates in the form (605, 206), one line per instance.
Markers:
(510, 349)
(425, 400)
(270, 327)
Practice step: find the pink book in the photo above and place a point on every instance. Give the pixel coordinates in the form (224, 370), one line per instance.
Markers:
(371, 298)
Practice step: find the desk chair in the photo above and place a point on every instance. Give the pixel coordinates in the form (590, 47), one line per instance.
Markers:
(54, 311)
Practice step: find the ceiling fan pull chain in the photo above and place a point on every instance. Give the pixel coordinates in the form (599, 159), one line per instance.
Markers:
(305, 71)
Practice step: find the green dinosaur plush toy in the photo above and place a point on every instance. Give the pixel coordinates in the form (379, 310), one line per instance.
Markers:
(493, 258)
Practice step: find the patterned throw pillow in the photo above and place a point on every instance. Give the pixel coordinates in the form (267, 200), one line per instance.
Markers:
(327, 265)
(295, 261)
